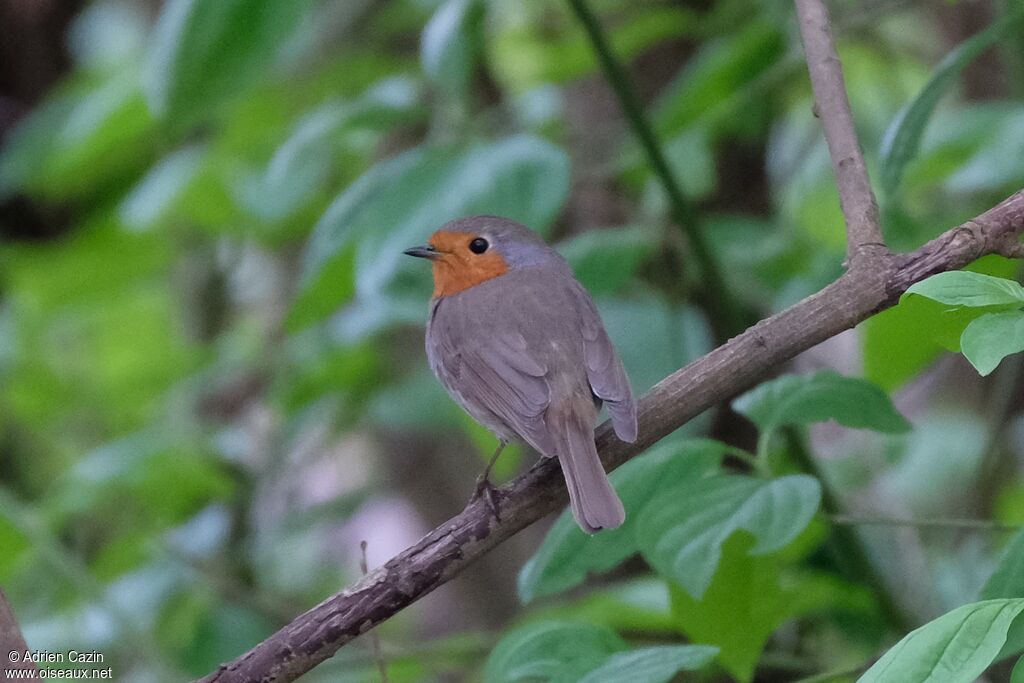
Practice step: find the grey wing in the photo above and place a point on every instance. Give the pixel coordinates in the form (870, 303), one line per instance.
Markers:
(513, 385)
(500, 376)
(607, 376)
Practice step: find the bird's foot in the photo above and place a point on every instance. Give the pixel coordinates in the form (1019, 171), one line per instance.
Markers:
(486, 490)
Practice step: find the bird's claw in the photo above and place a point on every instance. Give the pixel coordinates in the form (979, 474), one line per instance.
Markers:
(486, 490)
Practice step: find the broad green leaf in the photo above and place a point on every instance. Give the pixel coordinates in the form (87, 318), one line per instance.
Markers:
(134, 472)
(74, 300)
(312, 366)
(903, 138)
(205, 51)
(651, 664)
(748, 599)
(955, 648)
(994, 163)
(1017, 675)
(674, 335)
(1007, 581)
(308, 159)
(105, 34)
(568, 555)
(681, 530)
(220, 629)
(416, 401)
(627, 606)
(965, 288)
(991, 338)
(720, 68)
(822, 396)
(449, 44)
(15, 544)
(83, 141)
(903, 340)
(604, 260)
(155, 195)
(359, 241)
(555, 651)
(554, 48)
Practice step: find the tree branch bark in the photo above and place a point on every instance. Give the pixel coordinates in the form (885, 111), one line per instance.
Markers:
(875, 281)
(860, 210)
(11, 641)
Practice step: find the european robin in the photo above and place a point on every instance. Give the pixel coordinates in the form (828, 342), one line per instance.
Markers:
(518, 343)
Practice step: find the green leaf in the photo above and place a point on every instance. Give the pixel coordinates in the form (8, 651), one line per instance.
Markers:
(205, 51)
(822, 396)
(156, 194)
(15, 544)
(450, 43)
(957, 647)
(1007, 581)
(604, 260)
(416, 401)
(358, 242)
(748, 599)
(903, 340)
(990, 164)
(681, 530)
(82, 142)
(651, 664)
(991, 338)
(1017, 675)
(718, 70)
(555, 47)
(132, 474)
(308, 159)
(568, 555)
(903, 138)
(964, 288)
(631, 605)
(674, 335)
(556, 651)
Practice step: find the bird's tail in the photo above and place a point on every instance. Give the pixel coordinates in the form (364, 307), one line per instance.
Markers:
(595, 505)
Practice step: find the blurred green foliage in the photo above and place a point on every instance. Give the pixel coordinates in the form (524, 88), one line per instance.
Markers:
(212, 384)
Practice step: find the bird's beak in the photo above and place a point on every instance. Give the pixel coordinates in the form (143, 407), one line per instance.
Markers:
(425, 251)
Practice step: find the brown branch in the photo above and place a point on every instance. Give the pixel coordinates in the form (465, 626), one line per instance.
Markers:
(12, 643)
(874, 282)
(860, 210)
(378, 657)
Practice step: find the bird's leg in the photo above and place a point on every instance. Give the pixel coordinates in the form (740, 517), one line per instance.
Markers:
(484, 487)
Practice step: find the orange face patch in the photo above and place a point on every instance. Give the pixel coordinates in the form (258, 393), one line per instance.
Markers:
(458, 268)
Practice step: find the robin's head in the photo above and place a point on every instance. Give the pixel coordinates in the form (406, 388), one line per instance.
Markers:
(472, 250)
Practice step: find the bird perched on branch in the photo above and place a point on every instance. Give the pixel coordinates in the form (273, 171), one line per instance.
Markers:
(518, 343)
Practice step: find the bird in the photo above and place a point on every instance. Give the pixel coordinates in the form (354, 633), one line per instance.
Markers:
(518, 343)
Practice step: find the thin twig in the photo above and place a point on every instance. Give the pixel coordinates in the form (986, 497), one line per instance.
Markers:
(378, 656)
(938, 523)
(683, 212)
(860, 210)
(730, 369)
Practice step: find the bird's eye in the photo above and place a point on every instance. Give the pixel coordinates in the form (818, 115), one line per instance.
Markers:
(478, 246)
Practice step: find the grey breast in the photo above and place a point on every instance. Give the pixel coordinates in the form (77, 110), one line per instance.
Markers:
(507, 348)
(510, 347)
